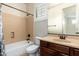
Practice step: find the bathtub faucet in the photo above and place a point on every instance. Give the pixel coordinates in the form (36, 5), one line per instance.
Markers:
(28, 39)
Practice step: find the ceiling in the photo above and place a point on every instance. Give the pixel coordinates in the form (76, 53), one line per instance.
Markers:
(51, 5)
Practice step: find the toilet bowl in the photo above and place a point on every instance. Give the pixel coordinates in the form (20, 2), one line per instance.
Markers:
(32, 50)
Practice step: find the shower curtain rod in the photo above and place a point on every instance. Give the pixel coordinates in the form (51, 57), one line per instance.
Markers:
(16, 9)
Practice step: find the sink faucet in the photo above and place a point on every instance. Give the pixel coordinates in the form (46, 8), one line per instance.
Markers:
(62, 37)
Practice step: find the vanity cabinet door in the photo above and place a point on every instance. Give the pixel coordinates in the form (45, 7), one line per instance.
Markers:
(71, 51)
(62, 49)
(76, 52)
(47, 52)
(43, 43)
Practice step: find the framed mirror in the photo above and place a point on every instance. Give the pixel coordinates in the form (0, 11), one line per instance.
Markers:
(63, 19)
(70, 20)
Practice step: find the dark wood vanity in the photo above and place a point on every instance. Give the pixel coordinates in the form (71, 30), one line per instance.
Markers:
(53, 49)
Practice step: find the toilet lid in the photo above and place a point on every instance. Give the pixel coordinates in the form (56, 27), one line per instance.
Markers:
(32, 47)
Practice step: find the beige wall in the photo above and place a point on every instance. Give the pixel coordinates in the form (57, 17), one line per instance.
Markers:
(17, 22)
(30, 26)
(28, 7)
(21, 6)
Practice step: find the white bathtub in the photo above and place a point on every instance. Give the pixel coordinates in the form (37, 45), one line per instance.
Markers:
(16, 49)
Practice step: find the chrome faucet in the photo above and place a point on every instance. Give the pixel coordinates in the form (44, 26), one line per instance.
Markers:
(62, 37)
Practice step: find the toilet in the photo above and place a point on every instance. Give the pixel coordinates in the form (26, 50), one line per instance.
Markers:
(33, 49)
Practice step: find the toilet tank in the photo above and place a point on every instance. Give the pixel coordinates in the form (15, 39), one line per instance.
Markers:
(37, 40)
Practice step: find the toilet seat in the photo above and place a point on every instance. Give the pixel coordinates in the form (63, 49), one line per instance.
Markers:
(32, 48)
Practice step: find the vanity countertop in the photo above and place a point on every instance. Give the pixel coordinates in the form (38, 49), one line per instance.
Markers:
(67, 42)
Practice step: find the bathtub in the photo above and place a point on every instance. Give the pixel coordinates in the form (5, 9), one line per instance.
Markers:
(17, 48)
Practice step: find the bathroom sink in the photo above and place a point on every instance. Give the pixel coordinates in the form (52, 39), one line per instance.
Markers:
(62, 40)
